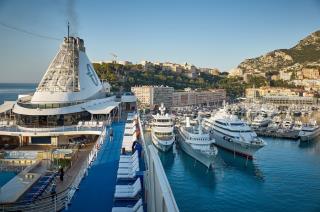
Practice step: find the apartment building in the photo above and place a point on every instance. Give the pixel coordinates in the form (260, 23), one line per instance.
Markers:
(153, 96)
(191, 97)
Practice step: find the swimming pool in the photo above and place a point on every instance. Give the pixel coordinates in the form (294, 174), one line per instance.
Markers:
(5, 177)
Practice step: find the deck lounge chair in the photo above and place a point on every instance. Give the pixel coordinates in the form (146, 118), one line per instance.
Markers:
(128, 158)
(128, 173)
(128, 164)
(133, 168)
(138, 207)
(128, 191)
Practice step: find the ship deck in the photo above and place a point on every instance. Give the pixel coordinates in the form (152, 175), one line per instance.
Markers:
(97, 189)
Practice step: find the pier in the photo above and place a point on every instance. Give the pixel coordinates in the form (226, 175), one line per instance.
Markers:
(291, 134)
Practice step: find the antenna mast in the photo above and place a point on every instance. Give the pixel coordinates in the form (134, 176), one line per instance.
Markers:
(68, 29)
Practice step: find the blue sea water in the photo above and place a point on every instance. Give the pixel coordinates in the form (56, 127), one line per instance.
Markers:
(284, 175)
(10, 91)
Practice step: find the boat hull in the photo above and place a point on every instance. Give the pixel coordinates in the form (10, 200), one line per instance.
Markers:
(245, 150)
(310, 137)
(206, 160)
(163, 145)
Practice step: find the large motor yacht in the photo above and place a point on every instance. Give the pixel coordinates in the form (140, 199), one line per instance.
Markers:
(233, 134)
(162, 130)
(197, 143)
(260, 121)
(309, 131)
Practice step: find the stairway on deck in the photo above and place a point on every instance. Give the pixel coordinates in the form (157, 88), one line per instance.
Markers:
(97, 189)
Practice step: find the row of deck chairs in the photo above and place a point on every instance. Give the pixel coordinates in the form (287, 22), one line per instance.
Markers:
(128, 196)
(39, 187)
(90, 124)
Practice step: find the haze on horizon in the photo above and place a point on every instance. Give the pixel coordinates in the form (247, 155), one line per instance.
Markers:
(217, 33)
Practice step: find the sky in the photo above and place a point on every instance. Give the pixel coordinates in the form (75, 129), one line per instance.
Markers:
(212, 33)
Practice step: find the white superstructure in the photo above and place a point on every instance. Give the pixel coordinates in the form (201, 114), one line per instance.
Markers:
(69, 101)
(197, 143)
(260, 121)
(233, 134)
(162, 130)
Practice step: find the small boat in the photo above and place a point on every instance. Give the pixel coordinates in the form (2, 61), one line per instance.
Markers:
(309, 131)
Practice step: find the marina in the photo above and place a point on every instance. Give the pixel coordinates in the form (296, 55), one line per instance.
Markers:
(283, 172)
(159, 106)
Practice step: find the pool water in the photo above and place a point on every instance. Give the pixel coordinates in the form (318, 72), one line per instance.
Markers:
(6, 177)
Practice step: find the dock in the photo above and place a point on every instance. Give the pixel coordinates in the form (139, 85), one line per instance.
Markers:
(291, 134)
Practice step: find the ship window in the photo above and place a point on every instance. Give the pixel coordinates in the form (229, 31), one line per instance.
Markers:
(237, 124)
(219, 122)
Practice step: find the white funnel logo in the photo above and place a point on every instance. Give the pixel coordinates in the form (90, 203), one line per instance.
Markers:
(92, 76)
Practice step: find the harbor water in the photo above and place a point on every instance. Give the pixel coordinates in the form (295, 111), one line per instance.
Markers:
(284, 175)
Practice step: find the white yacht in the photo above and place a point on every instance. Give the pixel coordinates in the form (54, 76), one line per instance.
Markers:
(297, 125)
(287, 122)
(260, 121)
(309, 131)
(162, 130)
(232, 134)
(275, 123)
(197, 143)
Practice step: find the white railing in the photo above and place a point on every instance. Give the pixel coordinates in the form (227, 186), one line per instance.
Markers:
(86, 165)
(159, 196)
(35, 130)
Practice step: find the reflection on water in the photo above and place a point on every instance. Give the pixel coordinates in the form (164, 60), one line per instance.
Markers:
(312, 147)
(227, 159)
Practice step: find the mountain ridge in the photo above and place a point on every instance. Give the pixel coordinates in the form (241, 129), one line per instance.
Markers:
(305, 54)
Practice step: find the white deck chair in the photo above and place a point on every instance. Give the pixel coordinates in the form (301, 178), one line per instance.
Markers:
(79, 124)
(133, 168)
(138, 207)
(129, 164)
(128, 158)
(128, 191)
(128, 173)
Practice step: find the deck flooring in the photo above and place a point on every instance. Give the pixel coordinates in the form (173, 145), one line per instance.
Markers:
(97, 189)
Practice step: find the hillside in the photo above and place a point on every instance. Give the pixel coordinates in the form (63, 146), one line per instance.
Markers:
(123, 77)
(306, 54)
(126, 76)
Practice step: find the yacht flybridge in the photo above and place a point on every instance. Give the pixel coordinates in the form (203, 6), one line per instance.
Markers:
(70, 100)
